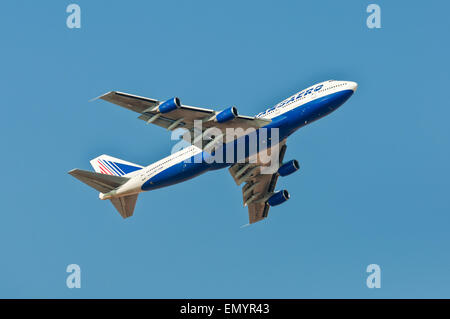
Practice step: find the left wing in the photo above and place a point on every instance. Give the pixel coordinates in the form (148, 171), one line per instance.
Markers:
(182, 116)
(258, 188)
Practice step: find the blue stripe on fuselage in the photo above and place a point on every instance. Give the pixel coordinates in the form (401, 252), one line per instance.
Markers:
(287, 123)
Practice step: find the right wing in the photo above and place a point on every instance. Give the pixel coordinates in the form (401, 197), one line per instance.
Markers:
(258, 187)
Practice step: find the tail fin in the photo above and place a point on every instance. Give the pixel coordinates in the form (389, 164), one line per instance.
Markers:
(109, 165)
(106, 183)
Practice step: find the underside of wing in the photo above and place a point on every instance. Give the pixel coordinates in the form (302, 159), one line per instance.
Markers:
(206, 126)
(257, 212)
(258, 187)
(132, 102)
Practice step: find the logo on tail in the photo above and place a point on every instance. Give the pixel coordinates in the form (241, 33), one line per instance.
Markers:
(109, 165)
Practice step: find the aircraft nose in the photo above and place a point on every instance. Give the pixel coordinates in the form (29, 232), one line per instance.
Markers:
(353, 85)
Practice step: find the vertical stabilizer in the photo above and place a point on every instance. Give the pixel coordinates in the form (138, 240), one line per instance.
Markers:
(109, 165)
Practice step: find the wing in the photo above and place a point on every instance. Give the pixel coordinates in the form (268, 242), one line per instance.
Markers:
(258, 187)
(182, 116)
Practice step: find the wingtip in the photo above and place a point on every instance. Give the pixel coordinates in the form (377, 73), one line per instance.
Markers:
(245, 225)
(72, 171)
(101, 96)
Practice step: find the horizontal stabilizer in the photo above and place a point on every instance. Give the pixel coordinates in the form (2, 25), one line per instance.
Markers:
(125, 205)
(101, 182)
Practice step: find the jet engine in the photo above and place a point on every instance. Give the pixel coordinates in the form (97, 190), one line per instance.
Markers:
(227, 115)
(169, 105)
(278, 198)
(288, 168)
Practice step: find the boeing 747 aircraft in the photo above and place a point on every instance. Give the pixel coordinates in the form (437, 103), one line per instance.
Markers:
(121, 181)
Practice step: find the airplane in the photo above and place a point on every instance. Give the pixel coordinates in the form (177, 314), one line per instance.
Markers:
(121, 181)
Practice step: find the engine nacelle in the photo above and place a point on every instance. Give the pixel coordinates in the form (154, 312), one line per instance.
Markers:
(278, 198)
(288, 168)
(227, 115)
(169, 105)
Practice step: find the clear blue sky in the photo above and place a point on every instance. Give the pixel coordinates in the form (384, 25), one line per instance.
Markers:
(374, 182)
